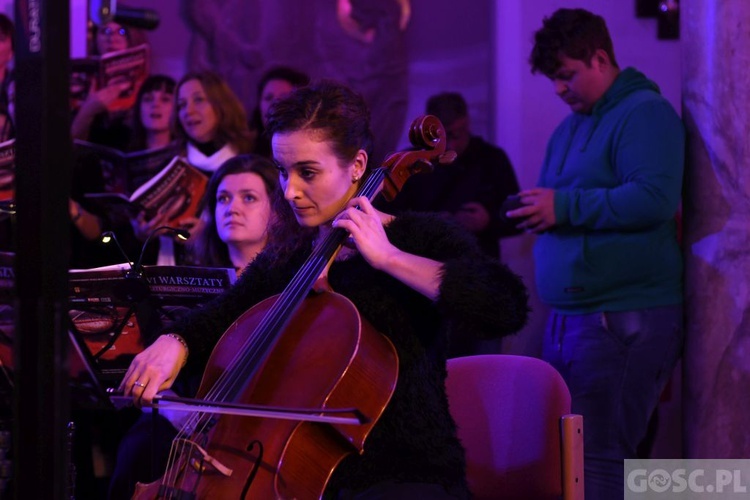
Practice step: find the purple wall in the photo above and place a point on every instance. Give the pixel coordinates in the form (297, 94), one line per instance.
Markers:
(447, 49)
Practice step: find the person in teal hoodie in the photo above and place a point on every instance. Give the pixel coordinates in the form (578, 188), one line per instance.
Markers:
(607, 257)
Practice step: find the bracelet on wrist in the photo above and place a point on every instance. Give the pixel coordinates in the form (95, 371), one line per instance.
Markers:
(179, 339)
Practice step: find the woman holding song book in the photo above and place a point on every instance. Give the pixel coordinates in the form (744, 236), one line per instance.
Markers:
(210, 122)
(99, 119)
(150, 130)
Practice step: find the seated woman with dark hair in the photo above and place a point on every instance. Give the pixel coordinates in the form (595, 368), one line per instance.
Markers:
(236, 220)
(238, 214)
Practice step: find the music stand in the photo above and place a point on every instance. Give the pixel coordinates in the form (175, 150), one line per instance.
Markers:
(114, 316)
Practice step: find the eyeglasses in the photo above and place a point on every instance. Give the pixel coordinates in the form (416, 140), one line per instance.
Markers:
(107, 31)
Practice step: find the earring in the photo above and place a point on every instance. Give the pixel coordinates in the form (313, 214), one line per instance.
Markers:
(355, 179)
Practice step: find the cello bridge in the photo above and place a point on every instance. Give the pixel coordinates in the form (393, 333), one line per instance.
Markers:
(201, 459)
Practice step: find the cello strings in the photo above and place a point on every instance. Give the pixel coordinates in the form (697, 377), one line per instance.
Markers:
(372, 183)
(260, 342)
(272, 319)
(282, 309)
(289, 299)
(250, 350)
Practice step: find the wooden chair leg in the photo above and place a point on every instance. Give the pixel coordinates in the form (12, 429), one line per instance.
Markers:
(571, 442)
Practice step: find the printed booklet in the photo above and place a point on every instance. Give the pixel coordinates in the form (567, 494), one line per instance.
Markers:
(88, 74)
(7, 171)
(125, 172)
(174, 195)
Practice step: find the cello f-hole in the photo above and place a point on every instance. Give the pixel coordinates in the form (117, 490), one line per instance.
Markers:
(251, 475)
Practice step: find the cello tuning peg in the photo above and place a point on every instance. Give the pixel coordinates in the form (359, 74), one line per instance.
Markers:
(447, 157)
(421, 166)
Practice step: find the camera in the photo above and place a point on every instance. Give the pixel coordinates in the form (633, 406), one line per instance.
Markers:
(101, 10)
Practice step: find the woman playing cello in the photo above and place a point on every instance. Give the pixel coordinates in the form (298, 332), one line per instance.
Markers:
(418, 279)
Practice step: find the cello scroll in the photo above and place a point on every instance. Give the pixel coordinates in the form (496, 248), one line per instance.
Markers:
(427, 136)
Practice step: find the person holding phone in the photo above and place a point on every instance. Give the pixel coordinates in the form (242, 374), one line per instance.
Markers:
(607, 258)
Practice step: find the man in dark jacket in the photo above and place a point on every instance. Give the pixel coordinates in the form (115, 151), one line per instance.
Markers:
(472, 188)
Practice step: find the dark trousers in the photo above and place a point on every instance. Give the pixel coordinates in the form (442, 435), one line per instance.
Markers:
(616, 365)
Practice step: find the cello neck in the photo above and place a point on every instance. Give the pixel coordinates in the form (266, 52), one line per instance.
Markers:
(248, 360)
(426, 132)
(333, 240)
(299, 287)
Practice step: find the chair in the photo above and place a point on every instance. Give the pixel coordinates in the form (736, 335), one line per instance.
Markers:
(513, 417)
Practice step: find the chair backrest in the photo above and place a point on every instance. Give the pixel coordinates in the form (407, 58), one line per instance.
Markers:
(508, 410)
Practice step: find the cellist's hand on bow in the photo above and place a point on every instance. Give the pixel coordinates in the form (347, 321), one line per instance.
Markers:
(153, 370)
(365, 225)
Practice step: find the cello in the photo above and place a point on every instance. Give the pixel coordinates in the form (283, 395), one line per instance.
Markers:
(293, 350)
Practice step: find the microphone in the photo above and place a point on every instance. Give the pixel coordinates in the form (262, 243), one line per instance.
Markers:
(183, 234)
(146, 19)
(135, 288)
(132, 288)
(108, 237)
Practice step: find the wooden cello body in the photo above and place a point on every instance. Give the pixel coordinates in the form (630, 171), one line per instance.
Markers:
(327, 357)
(294, 350)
